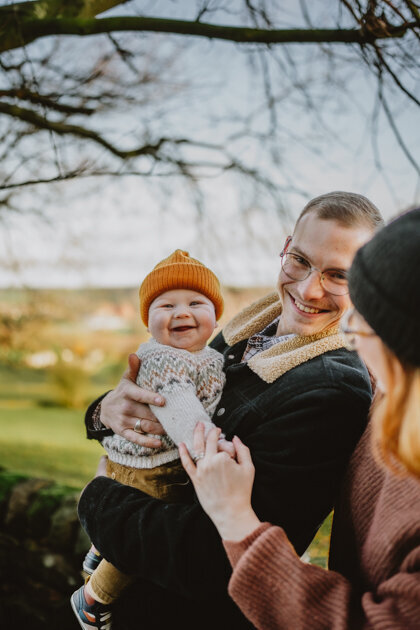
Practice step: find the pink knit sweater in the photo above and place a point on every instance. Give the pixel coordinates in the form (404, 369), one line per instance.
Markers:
(374, 577)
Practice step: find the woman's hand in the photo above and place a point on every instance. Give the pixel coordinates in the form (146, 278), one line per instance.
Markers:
(223, 484)
(128, 404)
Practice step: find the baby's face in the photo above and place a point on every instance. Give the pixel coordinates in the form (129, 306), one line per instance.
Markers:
(182, 318)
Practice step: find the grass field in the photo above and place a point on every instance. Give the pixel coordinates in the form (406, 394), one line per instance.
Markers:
(47, 442)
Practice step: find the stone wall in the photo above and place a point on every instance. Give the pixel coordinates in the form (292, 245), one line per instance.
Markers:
(41, 550)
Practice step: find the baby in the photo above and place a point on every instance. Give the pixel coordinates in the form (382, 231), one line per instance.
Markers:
(180, 302)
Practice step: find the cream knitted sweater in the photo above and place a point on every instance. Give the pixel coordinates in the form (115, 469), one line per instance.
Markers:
(191, 383)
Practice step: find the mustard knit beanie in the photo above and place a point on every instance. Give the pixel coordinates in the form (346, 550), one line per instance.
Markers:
(179, 271)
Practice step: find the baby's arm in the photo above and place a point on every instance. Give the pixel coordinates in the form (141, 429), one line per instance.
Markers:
(181, 413)
(175, 376)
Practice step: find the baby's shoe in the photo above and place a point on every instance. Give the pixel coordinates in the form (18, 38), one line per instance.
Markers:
(90, 616)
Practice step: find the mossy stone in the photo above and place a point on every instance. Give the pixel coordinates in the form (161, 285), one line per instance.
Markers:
(40, 512)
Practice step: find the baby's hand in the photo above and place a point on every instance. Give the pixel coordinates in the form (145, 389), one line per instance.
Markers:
(101, 469)
(226, 446)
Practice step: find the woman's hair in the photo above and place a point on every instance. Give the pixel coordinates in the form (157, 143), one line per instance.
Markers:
(396, 417)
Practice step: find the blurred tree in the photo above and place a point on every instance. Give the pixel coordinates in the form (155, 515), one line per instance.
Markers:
(25, 322)
(102, 103)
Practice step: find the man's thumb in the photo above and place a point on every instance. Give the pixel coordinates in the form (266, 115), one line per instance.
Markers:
(133, 367)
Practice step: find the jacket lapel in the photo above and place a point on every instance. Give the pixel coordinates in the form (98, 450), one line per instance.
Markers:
(272, 363)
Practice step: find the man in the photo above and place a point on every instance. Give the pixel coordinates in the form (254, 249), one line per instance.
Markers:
(294, 395)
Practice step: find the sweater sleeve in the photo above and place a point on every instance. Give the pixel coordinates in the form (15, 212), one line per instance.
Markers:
(176, 375)
(275, 589)
(180, 415)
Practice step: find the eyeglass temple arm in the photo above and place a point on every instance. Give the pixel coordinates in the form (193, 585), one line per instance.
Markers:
(286, 245)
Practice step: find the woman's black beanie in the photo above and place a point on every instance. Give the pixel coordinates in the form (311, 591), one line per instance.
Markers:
(384, 283)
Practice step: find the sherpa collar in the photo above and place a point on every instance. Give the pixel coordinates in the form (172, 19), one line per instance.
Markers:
(272, 363)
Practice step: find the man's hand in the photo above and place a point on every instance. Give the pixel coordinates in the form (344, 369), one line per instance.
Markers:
(128, 404)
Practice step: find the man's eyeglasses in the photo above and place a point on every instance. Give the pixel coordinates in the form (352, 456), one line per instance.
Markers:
(298, 268)
(350, 332)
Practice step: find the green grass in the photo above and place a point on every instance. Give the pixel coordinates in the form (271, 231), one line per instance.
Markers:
(47, 442)
(317, 551)
(22, 384)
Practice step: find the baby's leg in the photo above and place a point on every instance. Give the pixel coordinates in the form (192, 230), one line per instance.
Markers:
(168, 482)
(91, 561)
(107, 583)
(92, 603)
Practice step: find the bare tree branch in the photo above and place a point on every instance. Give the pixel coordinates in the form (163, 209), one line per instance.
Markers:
(397, 134)
(126, 86)
(62, 128)
(49, 101)
(384, 64)
(29, 30)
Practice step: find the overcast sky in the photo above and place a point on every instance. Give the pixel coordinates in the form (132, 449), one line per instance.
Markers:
(111, 233)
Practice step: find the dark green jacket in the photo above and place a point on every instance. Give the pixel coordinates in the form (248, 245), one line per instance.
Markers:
(301, 430)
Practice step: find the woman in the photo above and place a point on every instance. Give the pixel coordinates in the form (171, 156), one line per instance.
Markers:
(374, 576)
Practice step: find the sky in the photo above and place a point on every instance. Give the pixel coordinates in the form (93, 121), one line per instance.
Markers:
(112, 232)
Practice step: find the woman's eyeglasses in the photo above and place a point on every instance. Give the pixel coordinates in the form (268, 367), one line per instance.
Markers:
(351, 332)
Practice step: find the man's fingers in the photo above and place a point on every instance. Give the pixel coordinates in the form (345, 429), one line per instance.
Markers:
(133, 367)
(186, 461)
(132, 392)
(142, 440)
(133, 410)
(139, 394)
(152, 426)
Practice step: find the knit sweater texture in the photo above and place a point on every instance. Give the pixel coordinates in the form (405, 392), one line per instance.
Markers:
(374, 577)
(191, 383)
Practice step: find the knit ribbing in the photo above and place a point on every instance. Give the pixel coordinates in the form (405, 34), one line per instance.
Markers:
(180, 271)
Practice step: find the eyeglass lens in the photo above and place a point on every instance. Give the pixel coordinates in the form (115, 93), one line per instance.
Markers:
(297, 268)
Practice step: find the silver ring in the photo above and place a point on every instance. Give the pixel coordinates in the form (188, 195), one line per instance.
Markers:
(137, 427)
(199, 456)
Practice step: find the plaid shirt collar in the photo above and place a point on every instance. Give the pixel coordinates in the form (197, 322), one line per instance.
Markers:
(264, 340)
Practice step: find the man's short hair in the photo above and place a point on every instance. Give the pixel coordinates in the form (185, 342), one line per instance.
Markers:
(349, 209)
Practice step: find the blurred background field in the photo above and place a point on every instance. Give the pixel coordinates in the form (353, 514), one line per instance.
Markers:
(59, 350)
(47, 443)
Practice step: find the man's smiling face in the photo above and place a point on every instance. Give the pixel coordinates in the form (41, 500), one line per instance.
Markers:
(325, 244)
